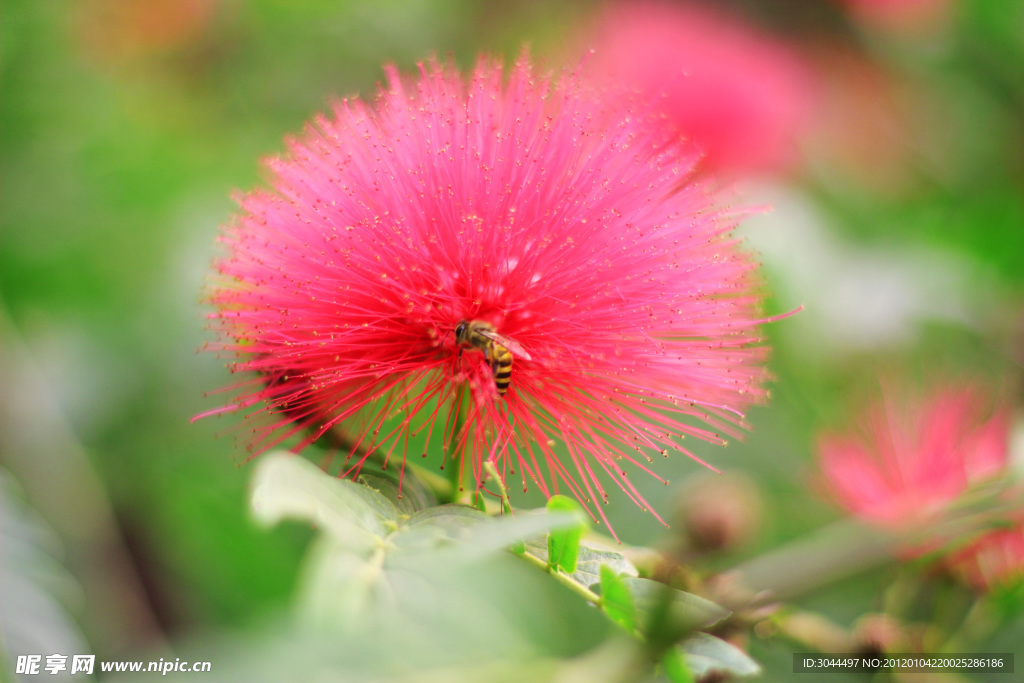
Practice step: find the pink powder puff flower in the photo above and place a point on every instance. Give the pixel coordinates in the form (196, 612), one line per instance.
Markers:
(741, 97)
(904, 463)
(565, 221)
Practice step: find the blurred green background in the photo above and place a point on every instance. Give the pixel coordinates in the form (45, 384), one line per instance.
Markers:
(125, 126)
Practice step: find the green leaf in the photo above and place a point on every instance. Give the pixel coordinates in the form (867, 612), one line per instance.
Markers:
(429, 612)
(616, 600)
(664, 614)
(589, 562)
(479, 534)
(436, 527)
(705, 653)
(454, 520)
(564, 544)
(340, 589)
(673, 665)
(414, 496)
(289, 487)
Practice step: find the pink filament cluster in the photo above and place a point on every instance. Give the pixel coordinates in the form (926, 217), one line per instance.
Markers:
(904, 464)
(566, 220)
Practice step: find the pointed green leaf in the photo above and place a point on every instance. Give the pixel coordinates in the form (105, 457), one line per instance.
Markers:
(705, 653)
(665, 614)
(564, 544)
(616, 600)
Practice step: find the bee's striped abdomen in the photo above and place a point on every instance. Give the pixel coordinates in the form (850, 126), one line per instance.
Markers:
(481, 335)
(501, 367)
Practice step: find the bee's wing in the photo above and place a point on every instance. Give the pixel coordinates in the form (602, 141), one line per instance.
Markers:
(509, 344)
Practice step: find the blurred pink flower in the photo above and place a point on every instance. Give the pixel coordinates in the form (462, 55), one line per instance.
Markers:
(564, 221)
(994, 560)
(740, 96)
(905, 462)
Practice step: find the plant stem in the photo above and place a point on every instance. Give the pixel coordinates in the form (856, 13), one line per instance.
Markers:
(826, 555)
(492, 471)
(455, 457)
(847, 547)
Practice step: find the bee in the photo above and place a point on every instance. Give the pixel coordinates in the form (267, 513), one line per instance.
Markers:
(497, 348)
